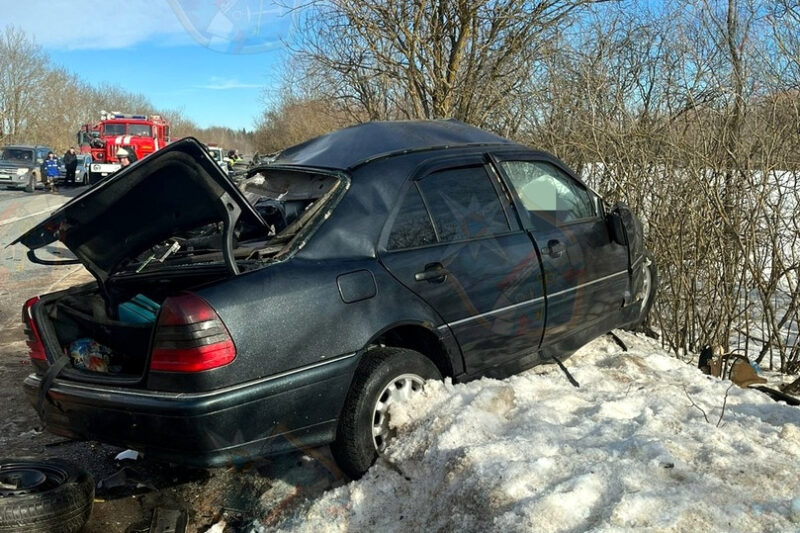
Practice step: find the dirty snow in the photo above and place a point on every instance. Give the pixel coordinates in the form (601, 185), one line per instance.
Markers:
(628, 450)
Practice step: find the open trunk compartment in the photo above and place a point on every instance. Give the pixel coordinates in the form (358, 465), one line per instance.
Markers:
(108, 336)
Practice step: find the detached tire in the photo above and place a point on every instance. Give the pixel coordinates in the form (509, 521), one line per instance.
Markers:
(385, 376)
(44, 496)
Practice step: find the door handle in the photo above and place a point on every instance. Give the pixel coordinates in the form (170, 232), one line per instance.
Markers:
(434, 273)
(554, 248)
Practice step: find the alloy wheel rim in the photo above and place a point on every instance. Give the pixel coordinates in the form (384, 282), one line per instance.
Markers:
(398, 390)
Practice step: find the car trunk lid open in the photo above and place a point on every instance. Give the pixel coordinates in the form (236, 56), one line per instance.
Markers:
(178, 188)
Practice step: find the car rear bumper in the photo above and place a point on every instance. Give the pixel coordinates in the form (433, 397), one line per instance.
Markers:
(222, 427)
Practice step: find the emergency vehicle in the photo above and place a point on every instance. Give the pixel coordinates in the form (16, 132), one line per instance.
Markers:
(140, 135)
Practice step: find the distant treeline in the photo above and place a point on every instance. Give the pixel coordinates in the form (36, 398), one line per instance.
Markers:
(44, 104)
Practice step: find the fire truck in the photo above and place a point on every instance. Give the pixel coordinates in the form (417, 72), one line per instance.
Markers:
(140, 135)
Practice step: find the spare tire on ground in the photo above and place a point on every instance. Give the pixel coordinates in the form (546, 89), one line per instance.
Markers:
(46, 495)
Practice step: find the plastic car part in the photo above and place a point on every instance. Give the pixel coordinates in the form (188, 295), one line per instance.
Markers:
(384, 376)
(190, 337)
(35, 346)
(649, 287)
(52, 496)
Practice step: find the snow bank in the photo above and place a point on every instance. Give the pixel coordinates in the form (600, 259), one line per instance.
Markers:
(627, 450)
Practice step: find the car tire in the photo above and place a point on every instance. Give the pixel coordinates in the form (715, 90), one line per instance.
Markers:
(49, 495)
(651, 287)
(382, 371)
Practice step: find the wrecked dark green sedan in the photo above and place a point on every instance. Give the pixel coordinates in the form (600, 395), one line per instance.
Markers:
(226, 323)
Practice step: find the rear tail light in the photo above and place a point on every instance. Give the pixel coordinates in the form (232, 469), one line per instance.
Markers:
(190, 337)
(35, 345)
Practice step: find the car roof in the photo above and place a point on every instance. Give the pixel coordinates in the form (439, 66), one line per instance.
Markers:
(350, 147)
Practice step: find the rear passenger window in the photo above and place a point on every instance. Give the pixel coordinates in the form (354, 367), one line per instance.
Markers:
(412, 227)
(463, 204)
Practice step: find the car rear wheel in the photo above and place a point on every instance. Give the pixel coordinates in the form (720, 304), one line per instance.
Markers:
(385, 377)
(44, 496)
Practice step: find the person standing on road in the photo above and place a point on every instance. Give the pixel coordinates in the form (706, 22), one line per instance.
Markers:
(232, 159)
(50, 171)
(71, 164)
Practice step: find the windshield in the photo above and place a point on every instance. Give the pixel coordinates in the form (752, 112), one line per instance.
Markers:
(140, 130)
(216, 153)
(288, 201)
(113, 129)
(17, 154)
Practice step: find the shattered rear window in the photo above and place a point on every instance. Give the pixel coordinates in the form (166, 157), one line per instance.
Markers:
(289, 202)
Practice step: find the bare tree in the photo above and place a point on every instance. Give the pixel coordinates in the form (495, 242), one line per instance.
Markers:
(428, 59)
(22, 70)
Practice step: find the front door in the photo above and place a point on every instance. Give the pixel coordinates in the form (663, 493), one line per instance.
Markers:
(585, 272)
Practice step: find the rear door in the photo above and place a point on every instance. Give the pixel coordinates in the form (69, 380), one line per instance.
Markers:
(586, 273)
(455, 240)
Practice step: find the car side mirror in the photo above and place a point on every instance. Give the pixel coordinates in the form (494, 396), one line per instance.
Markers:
(618, 220)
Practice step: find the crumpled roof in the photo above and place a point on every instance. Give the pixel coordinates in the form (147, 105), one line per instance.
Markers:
(349, 147)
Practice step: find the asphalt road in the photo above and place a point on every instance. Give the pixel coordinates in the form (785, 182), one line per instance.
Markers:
(264, 490)
(19, 278)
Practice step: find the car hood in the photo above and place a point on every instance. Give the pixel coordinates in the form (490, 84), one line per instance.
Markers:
(176, 188)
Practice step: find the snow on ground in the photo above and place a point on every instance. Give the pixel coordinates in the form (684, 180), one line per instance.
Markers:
(625, 451)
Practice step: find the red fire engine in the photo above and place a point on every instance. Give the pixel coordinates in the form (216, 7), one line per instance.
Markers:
(140, 135)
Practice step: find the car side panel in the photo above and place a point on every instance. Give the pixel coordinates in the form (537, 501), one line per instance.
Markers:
(292, 314)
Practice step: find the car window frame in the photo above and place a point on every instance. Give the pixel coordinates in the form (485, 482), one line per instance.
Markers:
(449, 162)
(595, 199)
(386, 231)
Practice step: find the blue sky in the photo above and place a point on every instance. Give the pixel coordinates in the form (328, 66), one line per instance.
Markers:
(216, 60)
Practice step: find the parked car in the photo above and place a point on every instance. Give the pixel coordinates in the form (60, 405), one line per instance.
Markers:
(21, 166)
(230, 323)
(81, 171)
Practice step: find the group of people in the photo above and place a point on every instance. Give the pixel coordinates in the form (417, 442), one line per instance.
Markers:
(124, 157)
(50, 169)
